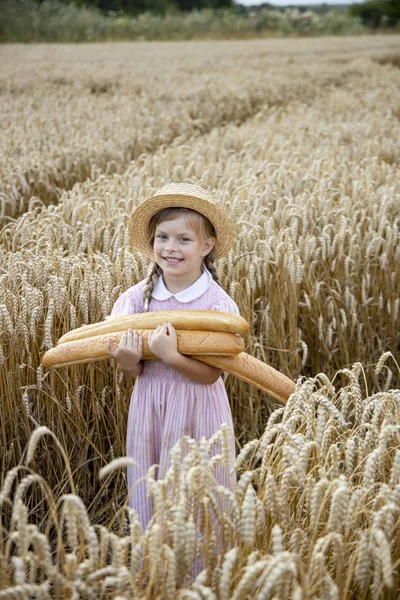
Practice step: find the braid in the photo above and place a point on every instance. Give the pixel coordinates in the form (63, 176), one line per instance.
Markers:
(209, 264)
(154, 274)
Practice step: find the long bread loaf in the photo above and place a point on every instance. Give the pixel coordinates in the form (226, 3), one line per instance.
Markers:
(207, 336)
(95, 348)
(197, 320)
(255, 372)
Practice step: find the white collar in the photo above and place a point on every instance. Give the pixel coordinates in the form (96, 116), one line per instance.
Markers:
(197, 289)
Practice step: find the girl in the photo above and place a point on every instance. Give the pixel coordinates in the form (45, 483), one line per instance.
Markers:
(182, 229)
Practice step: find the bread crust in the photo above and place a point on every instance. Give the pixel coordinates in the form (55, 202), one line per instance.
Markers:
(196, 320)
(208, 336)
(253, 371)
(95, 348)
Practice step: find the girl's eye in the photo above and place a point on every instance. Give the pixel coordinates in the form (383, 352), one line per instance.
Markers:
(161, 236)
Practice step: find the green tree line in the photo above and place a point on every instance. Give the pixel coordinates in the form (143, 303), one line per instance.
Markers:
(135, 7)
(377, 13)
(373, 13)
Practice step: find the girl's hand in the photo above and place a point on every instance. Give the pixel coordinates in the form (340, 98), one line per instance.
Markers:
(163, 342)
(129, 351)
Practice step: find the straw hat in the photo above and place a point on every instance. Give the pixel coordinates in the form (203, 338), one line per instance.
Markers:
(181, 195)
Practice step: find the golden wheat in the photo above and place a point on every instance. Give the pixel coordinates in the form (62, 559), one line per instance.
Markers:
(339, 538)
(301, 151)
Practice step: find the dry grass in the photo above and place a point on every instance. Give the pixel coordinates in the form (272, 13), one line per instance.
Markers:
(299, 142)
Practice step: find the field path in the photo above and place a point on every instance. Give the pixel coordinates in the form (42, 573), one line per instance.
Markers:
(72, 112)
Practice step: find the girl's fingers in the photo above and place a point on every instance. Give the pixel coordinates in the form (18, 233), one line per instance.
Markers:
(110, 346)
(171, 331)
(157, 330)
(140, 346)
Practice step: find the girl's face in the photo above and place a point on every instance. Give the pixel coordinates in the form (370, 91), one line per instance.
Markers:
(178, 250)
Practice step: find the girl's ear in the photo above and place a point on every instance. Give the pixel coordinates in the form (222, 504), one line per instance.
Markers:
(208, 246)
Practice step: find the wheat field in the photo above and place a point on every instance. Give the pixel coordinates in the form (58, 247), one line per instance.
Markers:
(298, 141)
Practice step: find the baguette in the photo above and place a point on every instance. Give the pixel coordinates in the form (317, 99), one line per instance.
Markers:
(253, 371)
(197, 320)
(95, 348)
(208, 336)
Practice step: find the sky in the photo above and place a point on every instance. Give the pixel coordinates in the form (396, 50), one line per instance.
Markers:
(299, 2)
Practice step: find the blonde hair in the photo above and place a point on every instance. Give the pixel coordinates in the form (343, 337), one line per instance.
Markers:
(201, 226)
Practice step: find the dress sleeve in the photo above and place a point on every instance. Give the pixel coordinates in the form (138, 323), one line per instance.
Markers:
(227, 305)
(125, 305)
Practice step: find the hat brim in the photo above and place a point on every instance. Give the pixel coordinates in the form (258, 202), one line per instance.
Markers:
(140, 218)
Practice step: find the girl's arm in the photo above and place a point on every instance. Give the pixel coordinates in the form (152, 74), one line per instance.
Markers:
(163, 343)
(194, 369)
(134, 371)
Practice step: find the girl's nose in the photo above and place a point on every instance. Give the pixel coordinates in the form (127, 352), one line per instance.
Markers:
(171, 246)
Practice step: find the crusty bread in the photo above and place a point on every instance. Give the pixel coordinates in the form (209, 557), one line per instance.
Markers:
(208, 336)
(253, 371)
(95, 348)
(196, 320)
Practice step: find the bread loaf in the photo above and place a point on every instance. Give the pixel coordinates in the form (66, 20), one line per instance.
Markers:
(253, 371)
(196, 320)
(208, 336)
(95, 348)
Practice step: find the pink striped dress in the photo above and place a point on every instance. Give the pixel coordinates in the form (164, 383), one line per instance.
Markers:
(165, 405)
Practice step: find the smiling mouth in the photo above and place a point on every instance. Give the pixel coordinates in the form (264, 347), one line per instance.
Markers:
(172, 261)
